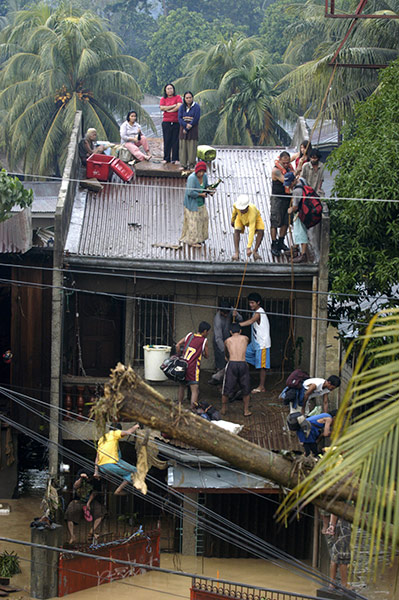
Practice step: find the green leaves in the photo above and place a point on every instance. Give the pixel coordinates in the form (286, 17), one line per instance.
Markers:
(365, 445)
(12, 193)
(65, 59)
(364, 246)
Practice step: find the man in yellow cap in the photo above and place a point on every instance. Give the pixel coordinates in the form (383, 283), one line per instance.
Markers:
(247, 215)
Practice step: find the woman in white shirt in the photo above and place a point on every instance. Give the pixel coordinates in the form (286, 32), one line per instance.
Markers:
(132, 137)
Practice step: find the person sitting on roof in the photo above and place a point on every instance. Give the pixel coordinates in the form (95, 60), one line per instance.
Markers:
(132, 137)
(247, 215)
(88, 146)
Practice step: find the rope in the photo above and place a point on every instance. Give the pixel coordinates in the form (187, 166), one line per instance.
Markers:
(240, 290)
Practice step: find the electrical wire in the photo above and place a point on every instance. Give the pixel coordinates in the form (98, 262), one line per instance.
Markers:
(235, 536)
(124, 297)
(181, 188)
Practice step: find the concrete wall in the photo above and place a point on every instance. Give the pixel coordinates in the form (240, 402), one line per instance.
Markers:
(197, 302)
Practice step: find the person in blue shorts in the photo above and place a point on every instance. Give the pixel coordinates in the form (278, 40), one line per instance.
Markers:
(258, 350)
(109, 460)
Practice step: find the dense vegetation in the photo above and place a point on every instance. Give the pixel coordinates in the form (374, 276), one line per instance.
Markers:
(253, 65)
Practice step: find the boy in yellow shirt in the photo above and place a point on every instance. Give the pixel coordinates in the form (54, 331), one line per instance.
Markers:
(247, 215)
(108, 459)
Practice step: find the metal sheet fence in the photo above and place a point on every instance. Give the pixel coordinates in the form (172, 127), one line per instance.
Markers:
(203, 589)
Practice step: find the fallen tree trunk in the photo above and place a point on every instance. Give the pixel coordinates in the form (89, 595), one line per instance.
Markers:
(128, 397)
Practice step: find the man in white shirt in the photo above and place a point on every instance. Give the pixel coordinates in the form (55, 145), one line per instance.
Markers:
(314, 388)
(258, 350)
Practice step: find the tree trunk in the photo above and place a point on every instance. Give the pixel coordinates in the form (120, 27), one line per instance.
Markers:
(128, 397)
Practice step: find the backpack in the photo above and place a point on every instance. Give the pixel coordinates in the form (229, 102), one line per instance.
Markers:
(288, 395)
(310, 208)
(292, 421)
(175, 368)
(296, 379)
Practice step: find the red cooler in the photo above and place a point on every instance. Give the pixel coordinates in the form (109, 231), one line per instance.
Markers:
(122, 169)
(98, 166)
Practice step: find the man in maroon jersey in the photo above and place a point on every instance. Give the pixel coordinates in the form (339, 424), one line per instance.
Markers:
(194, 346)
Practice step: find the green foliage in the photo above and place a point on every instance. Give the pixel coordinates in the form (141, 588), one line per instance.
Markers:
(275, 29)
(245, 14)
(314, 40)
(233, 81)
(60, 61)
(9, 564)
(133, 22)
(364, 254)
(12, 193)
(364, 451)
(178, 34)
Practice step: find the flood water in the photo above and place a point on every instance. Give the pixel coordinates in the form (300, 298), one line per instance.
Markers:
(159, 586)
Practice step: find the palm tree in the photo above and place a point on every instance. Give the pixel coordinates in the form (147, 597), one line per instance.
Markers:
(371, 42)
(233, 81)
(364, 452)
(57, 62)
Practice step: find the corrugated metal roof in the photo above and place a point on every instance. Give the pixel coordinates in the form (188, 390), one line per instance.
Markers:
(132, 221)
(16, 232)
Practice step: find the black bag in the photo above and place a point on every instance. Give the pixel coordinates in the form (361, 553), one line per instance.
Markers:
(174, 368)
(288, 395)
(292, 421)
(296, 379)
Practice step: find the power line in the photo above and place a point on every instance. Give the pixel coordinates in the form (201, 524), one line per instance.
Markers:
(234, 534)
(139, 275)
(181, 188)
(117, 296)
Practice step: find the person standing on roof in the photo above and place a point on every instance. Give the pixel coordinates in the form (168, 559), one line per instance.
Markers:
(196, 217)
(279, 203)
(194, 346)
(247, 215)
(189, 116)
(169, 105)
(258, 351)
(313, 172)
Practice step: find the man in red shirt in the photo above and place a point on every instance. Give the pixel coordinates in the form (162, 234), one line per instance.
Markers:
(169, 105)
(194, 346)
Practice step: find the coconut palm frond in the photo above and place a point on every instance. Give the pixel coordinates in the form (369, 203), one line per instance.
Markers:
(365, 444)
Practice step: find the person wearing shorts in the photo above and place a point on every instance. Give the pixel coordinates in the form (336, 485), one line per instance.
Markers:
(258, 351)
(279, 204)
(237, 371)
(338, 541)
(108, 459)
(194, 346)
(247, 215)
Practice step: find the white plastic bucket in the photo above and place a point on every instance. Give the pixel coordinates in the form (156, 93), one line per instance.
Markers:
(153, 359)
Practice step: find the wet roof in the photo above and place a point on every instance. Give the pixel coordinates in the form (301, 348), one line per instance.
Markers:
(142, 221)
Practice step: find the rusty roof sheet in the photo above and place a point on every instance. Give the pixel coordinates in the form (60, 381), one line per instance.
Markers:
(142, 220)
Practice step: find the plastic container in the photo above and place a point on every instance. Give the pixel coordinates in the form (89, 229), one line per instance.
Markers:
(98, 166)
(153, 359)
(122, 169)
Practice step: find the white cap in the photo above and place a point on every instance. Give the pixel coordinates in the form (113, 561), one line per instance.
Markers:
(242, 202)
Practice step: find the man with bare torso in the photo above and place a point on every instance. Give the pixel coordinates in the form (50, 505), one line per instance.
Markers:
(237, 369)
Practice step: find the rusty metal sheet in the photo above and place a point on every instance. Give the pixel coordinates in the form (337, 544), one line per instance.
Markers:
(136, 220)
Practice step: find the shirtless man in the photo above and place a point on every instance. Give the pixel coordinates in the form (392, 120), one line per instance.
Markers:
(237, 369)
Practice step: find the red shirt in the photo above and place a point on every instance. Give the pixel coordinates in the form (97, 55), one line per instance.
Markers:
(193, 353)
(171, 117)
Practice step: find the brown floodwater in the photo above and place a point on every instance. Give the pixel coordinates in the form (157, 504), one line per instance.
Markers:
(160, 586)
